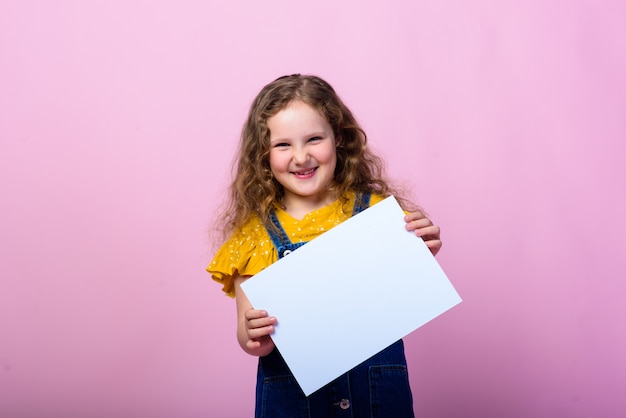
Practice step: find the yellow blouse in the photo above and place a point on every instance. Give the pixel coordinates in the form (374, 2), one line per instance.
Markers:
(250, 249)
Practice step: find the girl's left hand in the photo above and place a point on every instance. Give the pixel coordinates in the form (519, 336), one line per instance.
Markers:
(423, 227)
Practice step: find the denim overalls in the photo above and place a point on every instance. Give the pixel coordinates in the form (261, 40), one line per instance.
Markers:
(378, 387)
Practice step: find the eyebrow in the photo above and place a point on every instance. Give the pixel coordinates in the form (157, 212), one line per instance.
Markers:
(311, 135)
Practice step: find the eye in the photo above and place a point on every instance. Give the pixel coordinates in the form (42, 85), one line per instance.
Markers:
(315, 139)
(280, 145)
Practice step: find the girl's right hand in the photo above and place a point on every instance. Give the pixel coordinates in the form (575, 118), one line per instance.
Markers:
(254, 326)
(258, 327)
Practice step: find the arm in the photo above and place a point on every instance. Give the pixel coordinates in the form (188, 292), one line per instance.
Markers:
(253, 326)
(423, 227)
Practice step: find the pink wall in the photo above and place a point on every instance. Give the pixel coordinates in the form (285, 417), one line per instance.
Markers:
(118, 120)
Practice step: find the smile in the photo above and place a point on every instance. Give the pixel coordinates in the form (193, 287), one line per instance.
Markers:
(306, 173)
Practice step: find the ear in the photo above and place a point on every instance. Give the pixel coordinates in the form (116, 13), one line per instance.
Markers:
(338, 141)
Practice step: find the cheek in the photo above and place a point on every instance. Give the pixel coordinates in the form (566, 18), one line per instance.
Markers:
(276, 162)
(331, 155)
(333, 162)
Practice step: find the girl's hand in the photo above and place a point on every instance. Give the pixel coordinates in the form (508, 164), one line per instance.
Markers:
(423, 227)
(258, 327)
(254, 326)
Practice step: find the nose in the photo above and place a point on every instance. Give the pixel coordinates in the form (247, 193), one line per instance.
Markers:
(300, 155)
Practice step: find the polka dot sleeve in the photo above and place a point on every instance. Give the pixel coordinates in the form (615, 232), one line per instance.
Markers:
(246, 253)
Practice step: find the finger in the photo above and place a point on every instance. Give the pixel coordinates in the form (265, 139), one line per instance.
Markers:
(253, 344)
(417, 224)
(255, 314)
(418, 214)
(256, 333)
(432, 231)
(261, 322)
(434, 246)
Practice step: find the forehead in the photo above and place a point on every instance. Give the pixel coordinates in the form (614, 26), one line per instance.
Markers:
(297, 117)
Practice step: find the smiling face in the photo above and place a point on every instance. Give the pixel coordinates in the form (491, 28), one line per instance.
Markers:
(302, 157)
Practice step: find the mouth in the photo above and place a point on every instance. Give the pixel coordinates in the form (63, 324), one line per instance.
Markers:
(304, 173)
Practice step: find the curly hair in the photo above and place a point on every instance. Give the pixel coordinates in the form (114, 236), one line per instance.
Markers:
(254, 191)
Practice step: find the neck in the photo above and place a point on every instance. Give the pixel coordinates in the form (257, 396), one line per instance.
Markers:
(298, 207)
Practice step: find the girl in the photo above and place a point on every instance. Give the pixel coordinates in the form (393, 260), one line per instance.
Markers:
(303, 167)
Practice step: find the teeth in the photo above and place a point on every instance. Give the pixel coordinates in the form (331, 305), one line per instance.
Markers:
(303, 173)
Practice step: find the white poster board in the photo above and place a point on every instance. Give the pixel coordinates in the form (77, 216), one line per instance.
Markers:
(350, 293)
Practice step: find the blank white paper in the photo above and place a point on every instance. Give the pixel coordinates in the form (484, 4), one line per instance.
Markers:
(350, 293)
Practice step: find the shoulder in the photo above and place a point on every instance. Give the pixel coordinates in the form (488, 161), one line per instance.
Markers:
(248, 251)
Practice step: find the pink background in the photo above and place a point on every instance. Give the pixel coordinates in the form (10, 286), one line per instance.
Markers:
(118, 122)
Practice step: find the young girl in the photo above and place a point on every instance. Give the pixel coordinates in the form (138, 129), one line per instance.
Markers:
(303, 167)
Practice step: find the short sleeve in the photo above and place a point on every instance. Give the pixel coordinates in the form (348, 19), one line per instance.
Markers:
(247, 252)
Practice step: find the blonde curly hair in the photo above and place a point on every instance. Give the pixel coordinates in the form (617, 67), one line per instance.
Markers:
(254, 191)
